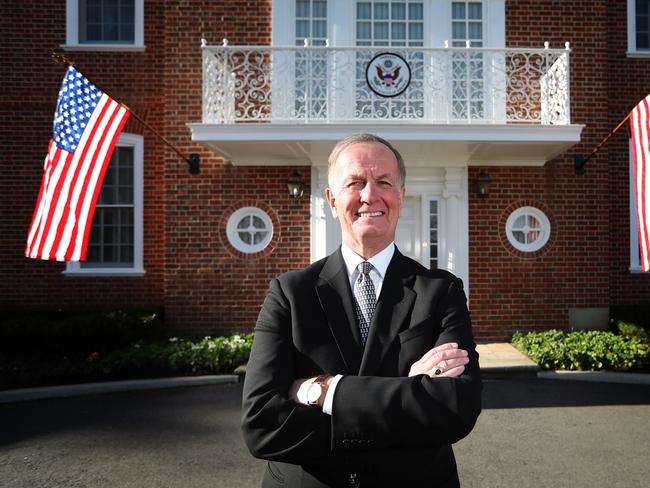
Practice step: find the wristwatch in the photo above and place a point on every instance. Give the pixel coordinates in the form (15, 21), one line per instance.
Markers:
(317, 390)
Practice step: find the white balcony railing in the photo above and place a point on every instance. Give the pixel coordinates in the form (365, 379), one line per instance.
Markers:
(328, 85)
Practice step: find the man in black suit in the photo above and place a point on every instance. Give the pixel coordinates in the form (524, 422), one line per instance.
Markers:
(363, 370)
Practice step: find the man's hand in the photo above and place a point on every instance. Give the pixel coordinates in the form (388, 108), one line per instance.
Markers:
(448, 356)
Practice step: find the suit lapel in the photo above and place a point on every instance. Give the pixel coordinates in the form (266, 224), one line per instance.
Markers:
(333, 290)
(393, 307)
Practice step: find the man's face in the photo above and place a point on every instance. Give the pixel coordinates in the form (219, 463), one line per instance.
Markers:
(366, 196)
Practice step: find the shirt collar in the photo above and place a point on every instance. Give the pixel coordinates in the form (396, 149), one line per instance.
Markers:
(380, 261)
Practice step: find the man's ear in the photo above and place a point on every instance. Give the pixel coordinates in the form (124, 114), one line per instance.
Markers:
(331, 199)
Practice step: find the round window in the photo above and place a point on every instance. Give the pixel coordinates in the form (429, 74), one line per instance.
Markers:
(528, 229)
(249, 229)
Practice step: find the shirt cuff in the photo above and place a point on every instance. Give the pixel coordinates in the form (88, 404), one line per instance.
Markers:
(329, 396)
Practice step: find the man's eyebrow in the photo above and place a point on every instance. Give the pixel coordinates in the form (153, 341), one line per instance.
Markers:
(383, 176)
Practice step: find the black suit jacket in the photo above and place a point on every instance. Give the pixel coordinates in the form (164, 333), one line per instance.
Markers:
(387, 428)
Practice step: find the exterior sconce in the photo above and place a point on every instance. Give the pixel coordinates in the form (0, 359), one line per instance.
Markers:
(295, 185)
(483, 184)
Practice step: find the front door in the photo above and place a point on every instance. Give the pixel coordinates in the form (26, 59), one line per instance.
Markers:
(408, 236)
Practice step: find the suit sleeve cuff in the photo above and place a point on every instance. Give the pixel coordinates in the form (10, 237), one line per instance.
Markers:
(329, 396)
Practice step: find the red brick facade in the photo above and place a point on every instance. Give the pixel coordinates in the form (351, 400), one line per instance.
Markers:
(204, 284)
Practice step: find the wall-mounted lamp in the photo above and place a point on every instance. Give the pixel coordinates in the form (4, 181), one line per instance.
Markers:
(295, 185)
(483, 184)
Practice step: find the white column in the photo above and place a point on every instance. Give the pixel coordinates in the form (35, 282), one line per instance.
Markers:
(456, 255)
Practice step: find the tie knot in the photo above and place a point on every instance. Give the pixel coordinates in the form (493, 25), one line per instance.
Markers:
(364, 267)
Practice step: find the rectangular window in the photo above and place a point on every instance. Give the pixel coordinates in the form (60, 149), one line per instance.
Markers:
(434, 212)
(468, 84)
(392, 23)
(642, 17)
(107, 21)
(111, 235)
(105, 24)
(115, 242)
(311, 65)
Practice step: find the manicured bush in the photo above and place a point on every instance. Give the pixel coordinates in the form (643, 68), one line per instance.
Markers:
(584, 350)
(629, 329)
(180, 356)
(169, 357)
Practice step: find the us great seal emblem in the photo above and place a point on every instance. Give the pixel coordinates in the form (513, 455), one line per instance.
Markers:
(388, 74)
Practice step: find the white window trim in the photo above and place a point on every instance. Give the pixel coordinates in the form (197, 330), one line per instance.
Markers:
(74, 268)
(546, 228)
(72, 31)
(635, 261)
(632, 51)
(233, 235)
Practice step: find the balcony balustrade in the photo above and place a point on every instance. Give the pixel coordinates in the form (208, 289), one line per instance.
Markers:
(302, 85)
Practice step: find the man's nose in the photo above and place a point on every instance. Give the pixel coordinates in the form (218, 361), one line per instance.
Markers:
(368, 192)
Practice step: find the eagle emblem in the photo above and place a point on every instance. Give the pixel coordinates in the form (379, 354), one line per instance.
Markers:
(388, 74)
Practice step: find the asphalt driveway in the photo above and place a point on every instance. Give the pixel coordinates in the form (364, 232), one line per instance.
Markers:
(532, 433)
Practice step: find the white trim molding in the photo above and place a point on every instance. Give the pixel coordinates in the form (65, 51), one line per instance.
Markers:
(74, 268)
(233, 230)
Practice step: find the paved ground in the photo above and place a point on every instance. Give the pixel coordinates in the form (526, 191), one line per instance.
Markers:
(532, 433)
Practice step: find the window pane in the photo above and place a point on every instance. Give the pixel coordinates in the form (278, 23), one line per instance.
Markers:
(381, 11)
(533, 223)
(244, 223)
(302, 8)
(415, 31)
(475, 11)
(363, 10)
(302, 29)
(258, 237)
(415, 11)
(519, 236)
(433, 206)
(458, 30)
(246, 237)
(398, 30)
(398, 11)
(363, 30)
(381, 30)
(320, 9)
(458, 10)
(475, 30)
(433, 221)
(519, 223)
(642, 40)
(642, 7)
(257, 222)
(320, 29)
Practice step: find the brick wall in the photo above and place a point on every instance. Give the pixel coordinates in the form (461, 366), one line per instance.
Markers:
(28, 94)
(512, 291)
(628, 84)
(204, 284)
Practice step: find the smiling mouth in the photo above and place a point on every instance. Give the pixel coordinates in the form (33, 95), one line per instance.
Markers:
(370, 214)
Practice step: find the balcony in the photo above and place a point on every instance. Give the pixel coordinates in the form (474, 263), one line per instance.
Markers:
(457, 105)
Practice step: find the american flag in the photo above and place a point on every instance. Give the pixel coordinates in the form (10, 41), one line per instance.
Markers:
(87, 125)
(640, 128)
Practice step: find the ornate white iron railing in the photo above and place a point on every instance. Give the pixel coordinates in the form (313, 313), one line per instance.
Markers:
(326, 84)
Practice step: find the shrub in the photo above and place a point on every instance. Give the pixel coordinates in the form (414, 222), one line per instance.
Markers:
(584, 350)
(629, 329)
(175, 356)
(209, 355)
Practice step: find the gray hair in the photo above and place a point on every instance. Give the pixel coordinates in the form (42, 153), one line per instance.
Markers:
(358, 139)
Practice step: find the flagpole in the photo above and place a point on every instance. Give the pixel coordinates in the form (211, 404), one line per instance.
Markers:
(580, 161)
(193, 159)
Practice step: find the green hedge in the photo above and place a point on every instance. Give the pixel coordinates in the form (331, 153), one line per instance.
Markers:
(584, 351)
(170, 357)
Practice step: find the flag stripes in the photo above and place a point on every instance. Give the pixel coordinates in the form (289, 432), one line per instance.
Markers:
(77, 160)
(641, 154)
